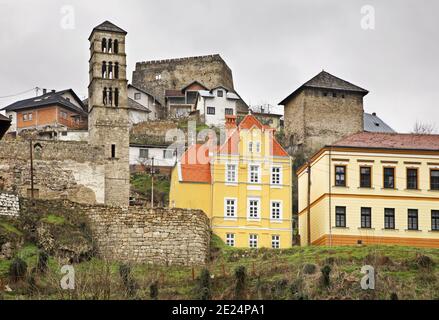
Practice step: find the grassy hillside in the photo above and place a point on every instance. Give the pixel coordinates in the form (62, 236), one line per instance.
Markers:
(403, 273)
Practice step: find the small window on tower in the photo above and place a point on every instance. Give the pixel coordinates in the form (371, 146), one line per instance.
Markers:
(158, 76)
(116, 47)
(116, 70)
(104, 45)
(110, 46)
(113, 151)
(116, 97)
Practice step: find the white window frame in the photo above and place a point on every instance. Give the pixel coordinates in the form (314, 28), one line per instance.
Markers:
(280, 176)
(275, 241)
(235, 181)
(250, 173)
(230, 239)
(280, 210)
(140, 153)
(258, 217)
(137, 96)
(235, 208)
(258, 147)
(253, 238)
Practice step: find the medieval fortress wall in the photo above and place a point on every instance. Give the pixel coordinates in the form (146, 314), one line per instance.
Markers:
(164, 236)
(159, 75)
(61, 170)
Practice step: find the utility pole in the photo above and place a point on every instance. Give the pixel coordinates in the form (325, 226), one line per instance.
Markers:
(152, 183)
(308, 215)
(31, 170)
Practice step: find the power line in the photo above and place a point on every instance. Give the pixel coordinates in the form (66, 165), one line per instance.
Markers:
(18, 94)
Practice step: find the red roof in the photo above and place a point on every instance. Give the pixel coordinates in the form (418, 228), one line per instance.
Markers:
(390, 141)
(195, 162)
(174, 93)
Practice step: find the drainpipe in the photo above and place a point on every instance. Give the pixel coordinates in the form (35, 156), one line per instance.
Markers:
(308, 215)
(330, 196)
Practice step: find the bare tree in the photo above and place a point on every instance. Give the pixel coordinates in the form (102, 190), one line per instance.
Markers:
(424, 128)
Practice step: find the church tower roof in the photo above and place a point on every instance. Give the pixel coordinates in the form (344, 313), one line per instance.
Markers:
(108, 26)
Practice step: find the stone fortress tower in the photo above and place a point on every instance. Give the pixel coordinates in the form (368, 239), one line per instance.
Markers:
(322, 111)
(108, 112)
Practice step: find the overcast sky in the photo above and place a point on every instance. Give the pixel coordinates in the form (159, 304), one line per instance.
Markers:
(271, 46)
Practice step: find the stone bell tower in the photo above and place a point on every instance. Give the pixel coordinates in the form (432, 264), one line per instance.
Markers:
(108, 108)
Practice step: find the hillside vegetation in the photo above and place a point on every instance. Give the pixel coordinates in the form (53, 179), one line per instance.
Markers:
(296, 273)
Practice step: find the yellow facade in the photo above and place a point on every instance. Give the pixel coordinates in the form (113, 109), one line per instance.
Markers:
(251, 220)
(378, 199)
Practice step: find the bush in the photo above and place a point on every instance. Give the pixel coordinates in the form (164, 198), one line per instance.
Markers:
(43, 260)
(127, 279)
(424, 262)
(154, 290)
(205, 285)
(17, 270)
(240, 285)
(309, 268)
(326, 270)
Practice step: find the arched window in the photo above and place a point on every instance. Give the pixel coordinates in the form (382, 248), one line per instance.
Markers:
(104, 45)
(104, 96)
(110, 96)
(116, 70)
(104, 69)
(116, 47)
(110, 70)
(116, 97)
(110, 46)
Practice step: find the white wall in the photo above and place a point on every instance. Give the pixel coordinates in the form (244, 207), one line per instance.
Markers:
(147, 101)
(13, 127)
(156, 152)
(220, 104)
(136, 116)
(77, 135)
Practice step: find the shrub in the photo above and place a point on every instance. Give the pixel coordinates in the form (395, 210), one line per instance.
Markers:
(240, 284)
(154, 290)
(127, 279)
(42, 264)
(326, 270)
(424, 262)
(205, 285)
(17, 270)
(309, 268)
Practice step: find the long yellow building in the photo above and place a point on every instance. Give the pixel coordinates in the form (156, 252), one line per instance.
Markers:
(372, 188)
(244, 186)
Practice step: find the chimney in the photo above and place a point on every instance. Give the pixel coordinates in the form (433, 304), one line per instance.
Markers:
(230, 122)
(44, 91)
(374, 114)
(53, 90)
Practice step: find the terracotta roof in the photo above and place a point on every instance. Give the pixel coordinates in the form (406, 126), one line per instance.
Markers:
(395, 141)
(195, 164)
(249, 122)
(325, 80)
(174, 93)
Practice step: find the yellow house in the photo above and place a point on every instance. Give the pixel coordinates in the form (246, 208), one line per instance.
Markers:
(244, 186)
(372, 188)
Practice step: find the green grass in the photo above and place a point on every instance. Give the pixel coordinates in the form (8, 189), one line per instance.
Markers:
(54, 219)
(270, 274)
(10, 228)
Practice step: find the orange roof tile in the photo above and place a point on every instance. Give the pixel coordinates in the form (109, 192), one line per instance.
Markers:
(195, 164)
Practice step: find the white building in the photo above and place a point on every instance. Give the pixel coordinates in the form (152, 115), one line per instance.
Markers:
(141, 156)
(148, 101)
(215, 104)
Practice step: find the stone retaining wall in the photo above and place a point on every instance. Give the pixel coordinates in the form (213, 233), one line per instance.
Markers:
(9, 205)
